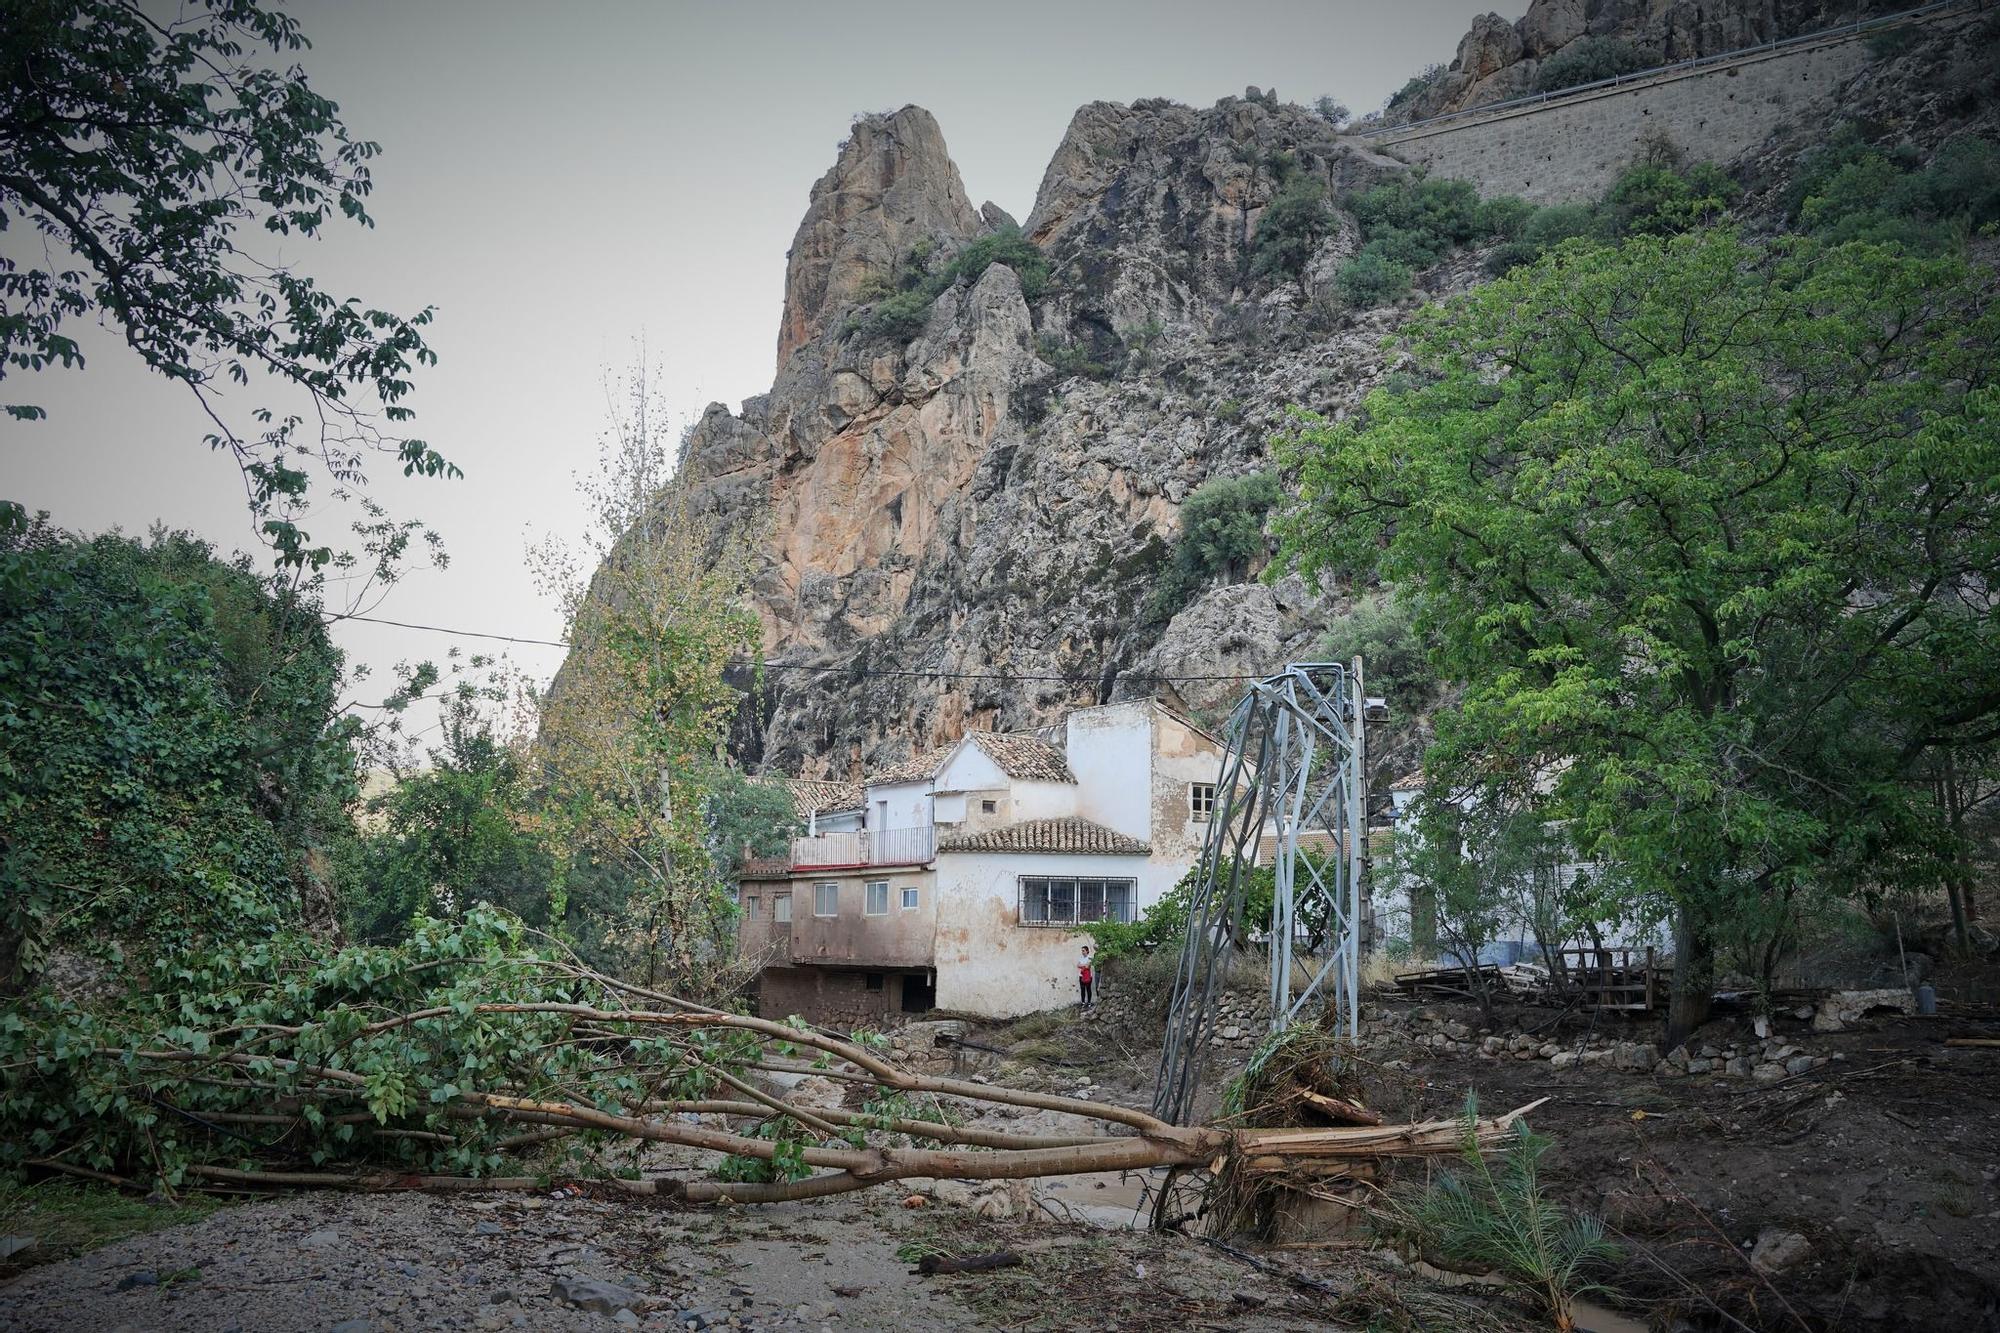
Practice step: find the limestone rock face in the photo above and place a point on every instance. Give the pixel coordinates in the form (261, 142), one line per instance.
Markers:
(893, 184)
(953, 503)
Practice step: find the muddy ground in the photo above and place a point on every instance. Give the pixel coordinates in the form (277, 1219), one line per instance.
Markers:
(1882, 1159)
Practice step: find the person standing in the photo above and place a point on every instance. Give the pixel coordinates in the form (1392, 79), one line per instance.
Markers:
(1085, 976)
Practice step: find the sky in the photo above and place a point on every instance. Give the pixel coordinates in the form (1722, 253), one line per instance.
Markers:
(563, 182)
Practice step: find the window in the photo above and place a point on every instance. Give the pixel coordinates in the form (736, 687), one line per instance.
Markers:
(988, 807)
(750, 908)
(1069, 902)
(909, 900)
(877, 899)
(874, 981)
(826, 900)
(1201, 801)
(781, 909)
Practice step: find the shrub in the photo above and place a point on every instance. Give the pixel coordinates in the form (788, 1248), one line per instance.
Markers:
(1222, 529)
(1498, 1218)
(1436, 213)
(1331, 111)
(1851, 190)
(1370, 280)
(1502, 217)
(902, 316)
(1665, 200)
(1892, 42)
(1072, 359)
(1589, 60)
(1291, 227)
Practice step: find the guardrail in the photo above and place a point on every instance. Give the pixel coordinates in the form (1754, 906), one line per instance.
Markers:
(865, 847)
(1683, 66)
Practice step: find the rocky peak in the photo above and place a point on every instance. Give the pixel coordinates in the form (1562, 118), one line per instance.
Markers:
(893, 185)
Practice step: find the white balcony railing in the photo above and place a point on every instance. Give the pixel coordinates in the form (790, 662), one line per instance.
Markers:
(865, 847)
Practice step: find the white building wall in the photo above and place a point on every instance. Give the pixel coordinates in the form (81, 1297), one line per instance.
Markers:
(899, 805)
(988, 963)
(1110, 750)
(1042, 800)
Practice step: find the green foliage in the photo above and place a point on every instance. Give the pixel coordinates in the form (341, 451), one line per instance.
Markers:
(172, 751)
(1589, 60)
(1663, 198)
(1369, 280)
(451, 836)
(743, 813)
(901, 317)
(1291, 226)
(1382, 631)
(787, 1163)
(1850, 189)
(1644, 549)
(1073, 359)
(1498, 1218)
(1331, 110)
(145, 152)
(1222, 530)
(1503, 216)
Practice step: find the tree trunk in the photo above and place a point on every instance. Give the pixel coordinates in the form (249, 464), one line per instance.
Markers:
(1694, 977)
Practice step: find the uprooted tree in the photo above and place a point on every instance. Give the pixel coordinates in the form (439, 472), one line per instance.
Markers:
(444, 1060)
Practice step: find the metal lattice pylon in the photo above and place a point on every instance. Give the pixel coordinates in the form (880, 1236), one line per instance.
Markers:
(1292, 772)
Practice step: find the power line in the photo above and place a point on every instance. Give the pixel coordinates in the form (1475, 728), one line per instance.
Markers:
(846, 670)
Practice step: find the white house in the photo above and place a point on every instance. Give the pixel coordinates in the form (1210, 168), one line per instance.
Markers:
(964, 880)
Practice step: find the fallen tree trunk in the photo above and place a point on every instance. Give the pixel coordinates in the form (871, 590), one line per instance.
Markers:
(448, 1088)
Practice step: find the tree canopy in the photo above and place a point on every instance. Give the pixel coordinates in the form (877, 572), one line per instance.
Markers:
(145, 152)
(1709, 531)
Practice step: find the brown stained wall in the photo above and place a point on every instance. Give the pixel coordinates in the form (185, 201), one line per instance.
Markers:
(902, 937)
(1572, 149)
(759, 935)
(834, 996)
(1181, 756)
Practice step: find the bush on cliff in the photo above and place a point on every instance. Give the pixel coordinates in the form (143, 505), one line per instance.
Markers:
(901, 317)
(1589, 60)
(1222, 530)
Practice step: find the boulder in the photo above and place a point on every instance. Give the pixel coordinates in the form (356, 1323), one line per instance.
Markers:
(589, 1293)
(1842, 1008)
(1488, 47)
(1779, 1251)
(1550, 25)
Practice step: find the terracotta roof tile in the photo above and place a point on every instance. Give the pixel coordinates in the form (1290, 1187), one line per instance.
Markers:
(814, 795)
(1017, 754)
(916, 768)
(1413, 781)
(1048, 835)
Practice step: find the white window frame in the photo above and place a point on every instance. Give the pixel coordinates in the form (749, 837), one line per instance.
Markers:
(750, 902)
(820, 894)
(1201, 807)
(868, 892)
(781, 908)
(908, 895)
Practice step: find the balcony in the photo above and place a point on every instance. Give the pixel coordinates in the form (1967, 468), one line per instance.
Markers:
(865, 847)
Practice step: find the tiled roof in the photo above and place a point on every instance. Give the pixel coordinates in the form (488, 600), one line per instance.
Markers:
(812, 795)
(1018, 755)
(1048, 835)
(1023, 756)
(916, 768)
(1413, 781)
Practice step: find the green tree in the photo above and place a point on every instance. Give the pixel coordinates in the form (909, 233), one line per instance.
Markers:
(141, 150)
(1222, 531)
(448, 837)
(747, 815)
(172, 749)
(629, 731)
(1706, 530)
(1291, 226)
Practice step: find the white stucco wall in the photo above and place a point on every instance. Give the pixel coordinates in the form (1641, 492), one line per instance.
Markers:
(1042, 800)
(970, 769)
(988, 963)
(900, 805)
(1110, 750)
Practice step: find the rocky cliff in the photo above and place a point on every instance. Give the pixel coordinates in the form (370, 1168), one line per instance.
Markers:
(958, 516)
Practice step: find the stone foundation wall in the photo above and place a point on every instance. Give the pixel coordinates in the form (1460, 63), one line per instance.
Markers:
(833, 997)
(1571, 149)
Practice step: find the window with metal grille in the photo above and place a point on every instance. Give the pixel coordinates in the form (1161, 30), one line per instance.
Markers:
(826, 900)
(1049, 901)
(876, 902)
(1201, 800)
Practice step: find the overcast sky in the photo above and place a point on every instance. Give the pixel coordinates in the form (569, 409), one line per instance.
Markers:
(562, 179)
